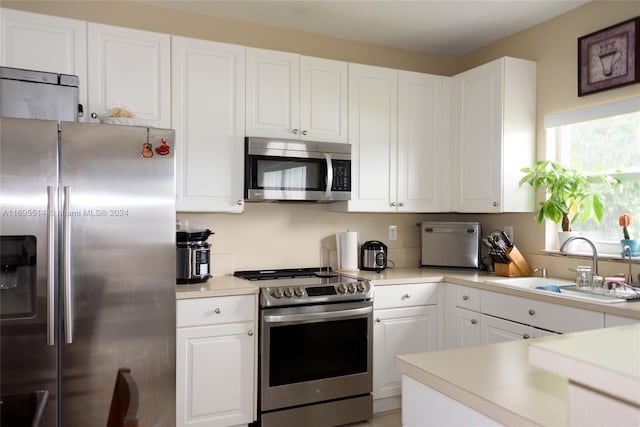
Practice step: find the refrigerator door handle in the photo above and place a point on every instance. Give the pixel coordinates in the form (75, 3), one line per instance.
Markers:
(51, 268)
(66, 265)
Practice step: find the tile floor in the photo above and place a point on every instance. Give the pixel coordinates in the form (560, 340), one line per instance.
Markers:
(384, 419)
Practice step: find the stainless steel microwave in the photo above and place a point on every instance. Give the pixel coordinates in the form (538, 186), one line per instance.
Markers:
(282, 169)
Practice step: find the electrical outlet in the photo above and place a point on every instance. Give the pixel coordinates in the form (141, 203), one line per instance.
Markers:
(508, 230)
(393, 232)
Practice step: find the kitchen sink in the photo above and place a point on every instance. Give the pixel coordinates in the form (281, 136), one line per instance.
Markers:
(567, 288)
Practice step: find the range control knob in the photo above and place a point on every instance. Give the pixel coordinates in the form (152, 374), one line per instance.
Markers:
(299, 291)
(276, 293)
(341, 288)
(288, 292)
(351, 288)
(360, 287)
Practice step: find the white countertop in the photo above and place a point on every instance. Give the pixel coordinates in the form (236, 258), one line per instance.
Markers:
(479, 279)
(603, 359)
(231, 285)
(526, 382)
(495, 380)
(218, 286)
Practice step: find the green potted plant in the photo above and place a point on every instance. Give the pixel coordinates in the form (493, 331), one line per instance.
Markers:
(568, 194)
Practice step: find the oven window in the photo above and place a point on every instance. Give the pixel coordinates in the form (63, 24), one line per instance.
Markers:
(272, 173)
(312, 351)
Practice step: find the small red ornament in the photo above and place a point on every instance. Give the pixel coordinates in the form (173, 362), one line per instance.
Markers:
(163, 149)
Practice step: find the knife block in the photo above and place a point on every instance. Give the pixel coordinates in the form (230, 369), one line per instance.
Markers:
(516, 268)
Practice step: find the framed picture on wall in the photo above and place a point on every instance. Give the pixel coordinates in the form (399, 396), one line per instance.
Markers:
(608, 58)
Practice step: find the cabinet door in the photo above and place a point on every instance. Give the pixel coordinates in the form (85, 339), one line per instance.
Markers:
(272, 94)
(323, 100)
(131, 68)
(45, 43)
(477, 139)
(421, 123)
(467, 328)
(208, 116)
(395, 332)
(495, 330)
(214, 375)
(373, 137)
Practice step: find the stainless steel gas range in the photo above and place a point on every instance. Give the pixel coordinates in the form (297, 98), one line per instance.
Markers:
(315, 347)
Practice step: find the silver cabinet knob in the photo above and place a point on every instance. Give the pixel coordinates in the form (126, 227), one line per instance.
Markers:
(216, 311)
(304, 132)
(465, 297)
(401, 204)
(250, 332)
(532, 312)
(496, 204)
(378, 320)
(295, 131)
(526, 336)
(240, 202)
(474, 321)
(406, 296)
(393, 204)
(94, 116)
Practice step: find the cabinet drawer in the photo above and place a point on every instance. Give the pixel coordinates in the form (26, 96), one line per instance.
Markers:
(210, 311)
(468, 298)
(405, 295)
(553, 317)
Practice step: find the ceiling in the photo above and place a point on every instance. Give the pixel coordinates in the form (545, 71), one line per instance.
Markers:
(442, 27)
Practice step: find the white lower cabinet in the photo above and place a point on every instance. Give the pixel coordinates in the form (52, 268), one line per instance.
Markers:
(495, 330)
(216, 361)
(405, 322)
(466, 327)
(540, 314)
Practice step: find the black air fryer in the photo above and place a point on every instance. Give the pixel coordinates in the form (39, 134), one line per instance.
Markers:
(373, 256)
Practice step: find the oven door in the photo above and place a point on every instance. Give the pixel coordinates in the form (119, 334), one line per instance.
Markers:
(315, 353)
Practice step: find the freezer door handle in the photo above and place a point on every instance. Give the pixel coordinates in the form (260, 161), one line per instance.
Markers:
(66, 265)
(51, 268)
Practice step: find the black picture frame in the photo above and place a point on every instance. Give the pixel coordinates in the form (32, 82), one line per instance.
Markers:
(608, 58)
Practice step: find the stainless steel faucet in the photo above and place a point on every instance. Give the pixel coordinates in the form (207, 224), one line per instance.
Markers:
(627, 249)
(593, 248)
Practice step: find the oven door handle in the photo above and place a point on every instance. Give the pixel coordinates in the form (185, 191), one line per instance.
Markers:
(281, 318)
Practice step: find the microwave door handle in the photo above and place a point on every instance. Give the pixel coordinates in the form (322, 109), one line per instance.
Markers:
(327, 192)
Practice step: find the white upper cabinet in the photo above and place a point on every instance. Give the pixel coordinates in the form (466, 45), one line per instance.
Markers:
(45, 43)
(323, 100)
(131, 68)
(423, 122)
(493, 136)
(373, 135)
(397, 131)
(296, 97)
(208, 101)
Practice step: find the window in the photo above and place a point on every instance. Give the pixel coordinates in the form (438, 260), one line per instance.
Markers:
(604, 139)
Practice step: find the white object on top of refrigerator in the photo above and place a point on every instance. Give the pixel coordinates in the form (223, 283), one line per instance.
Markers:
(87, 277)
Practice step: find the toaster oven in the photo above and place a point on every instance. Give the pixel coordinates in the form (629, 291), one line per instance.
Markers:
(450, 244)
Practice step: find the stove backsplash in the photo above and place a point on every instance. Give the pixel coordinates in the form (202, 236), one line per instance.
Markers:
(288, 235)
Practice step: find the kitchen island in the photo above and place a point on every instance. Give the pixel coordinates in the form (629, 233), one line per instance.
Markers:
(497, 384)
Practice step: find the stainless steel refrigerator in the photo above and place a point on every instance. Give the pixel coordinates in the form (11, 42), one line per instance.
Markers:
(87, 267)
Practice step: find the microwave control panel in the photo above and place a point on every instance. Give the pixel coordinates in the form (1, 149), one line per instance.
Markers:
(341, 175)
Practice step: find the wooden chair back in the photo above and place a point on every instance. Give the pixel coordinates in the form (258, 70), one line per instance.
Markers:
(124, 402)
